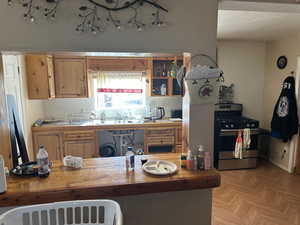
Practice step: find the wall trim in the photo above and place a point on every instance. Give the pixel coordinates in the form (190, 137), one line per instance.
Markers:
(279, 165)
(260, 6)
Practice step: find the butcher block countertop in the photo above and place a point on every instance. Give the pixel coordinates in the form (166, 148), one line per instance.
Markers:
(111, 124)
(103, 178)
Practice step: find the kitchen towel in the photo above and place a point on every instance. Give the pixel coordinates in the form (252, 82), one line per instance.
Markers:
(238, 150)
(246, 138)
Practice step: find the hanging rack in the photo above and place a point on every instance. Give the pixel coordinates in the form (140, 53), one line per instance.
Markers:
(220, 77)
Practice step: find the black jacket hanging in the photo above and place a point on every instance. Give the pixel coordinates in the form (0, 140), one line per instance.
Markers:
(285, 116)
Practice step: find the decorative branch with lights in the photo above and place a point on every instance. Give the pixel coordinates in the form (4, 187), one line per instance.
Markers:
(97, 15)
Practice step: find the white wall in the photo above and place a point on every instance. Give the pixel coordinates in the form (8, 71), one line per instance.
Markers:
(273, 83)
(243, 64)
(192, 28)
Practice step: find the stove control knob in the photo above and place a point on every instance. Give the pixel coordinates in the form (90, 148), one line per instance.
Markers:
(227, 126)
(232, 126)
(247, 125)
(252, 125)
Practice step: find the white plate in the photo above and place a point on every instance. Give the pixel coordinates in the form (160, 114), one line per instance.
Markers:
(160, 167)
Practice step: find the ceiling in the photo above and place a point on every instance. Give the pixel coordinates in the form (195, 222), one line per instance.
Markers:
(253, 25)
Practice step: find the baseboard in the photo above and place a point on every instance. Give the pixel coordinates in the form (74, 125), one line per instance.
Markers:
(279, 165)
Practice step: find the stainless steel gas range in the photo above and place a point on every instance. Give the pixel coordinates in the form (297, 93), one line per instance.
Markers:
(228, 122)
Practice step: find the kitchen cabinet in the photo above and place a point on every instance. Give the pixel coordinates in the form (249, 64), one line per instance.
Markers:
(159, 140)
(40, 77)
(179, 139)
(80, 143)
(159, 75)
(52, 142)
(84, 149)
(116, 64)
(71, 80)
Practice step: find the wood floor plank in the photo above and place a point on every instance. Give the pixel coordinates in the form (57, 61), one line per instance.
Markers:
(263, 196)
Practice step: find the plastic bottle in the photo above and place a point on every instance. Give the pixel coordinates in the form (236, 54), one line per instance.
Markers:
(43, 162)
(207, 160)
(163, 89)
(173, 69)
(183, 161)
(130, 159)
(189, 161)
(195, 163)
(200, 158)
(3, 185)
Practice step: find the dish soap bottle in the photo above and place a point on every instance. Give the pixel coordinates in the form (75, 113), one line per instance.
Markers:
(130, 159)
(189, 161)
(43, 162)
(200, 158)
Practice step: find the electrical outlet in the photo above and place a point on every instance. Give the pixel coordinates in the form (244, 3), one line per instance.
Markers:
(283, 152)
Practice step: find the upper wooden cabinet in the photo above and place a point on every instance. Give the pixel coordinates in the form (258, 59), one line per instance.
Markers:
(40, 78)
(71, 80)
(117, 64)
(161, 81)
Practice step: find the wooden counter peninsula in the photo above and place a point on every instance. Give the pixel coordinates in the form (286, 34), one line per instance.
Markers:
(139, 194)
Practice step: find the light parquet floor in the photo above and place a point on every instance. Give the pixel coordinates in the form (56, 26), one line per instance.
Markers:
(263, 196)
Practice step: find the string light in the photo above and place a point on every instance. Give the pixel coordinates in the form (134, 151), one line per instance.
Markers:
(96, 17)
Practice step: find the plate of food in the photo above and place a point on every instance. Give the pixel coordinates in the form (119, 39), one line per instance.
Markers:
(160, 167)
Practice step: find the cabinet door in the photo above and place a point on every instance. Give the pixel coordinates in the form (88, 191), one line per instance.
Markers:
(70, 78)
(84, 149)
(52, 143)
(40, 80)
(51, 82)
(179, 136)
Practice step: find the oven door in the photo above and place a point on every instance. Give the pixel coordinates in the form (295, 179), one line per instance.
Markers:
(227, 138)
(225, 145)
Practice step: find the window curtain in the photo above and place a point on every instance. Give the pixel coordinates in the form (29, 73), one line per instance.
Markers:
(119, 82)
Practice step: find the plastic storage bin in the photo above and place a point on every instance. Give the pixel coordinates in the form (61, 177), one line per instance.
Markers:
(92, 212)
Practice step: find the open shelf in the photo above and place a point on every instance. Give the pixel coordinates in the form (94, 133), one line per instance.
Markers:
(160, 76)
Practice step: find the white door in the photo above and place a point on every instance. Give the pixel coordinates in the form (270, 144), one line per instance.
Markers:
(294, 142)
(12, 82)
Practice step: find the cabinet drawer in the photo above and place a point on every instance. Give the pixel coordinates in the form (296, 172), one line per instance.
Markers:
(160, 132)
(79, 135)
(178, 148)
(160, 140)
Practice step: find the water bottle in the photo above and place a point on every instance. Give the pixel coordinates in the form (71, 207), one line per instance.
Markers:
(43, 162)
(130, 159)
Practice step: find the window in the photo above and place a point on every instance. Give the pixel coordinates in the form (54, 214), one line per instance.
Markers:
(115, 90)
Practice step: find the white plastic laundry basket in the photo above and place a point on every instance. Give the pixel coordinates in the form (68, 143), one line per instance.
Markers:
(87, 212)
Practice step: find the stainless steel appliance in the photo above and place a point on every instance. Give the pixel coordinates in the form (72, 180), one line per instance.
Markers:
(176, 113)
(228, 122)
(160, 112)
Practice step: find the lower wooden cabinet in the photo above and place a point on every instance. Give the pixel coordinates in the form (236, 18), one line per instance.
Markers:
(178, 149)
(52, 143)
(179, 136)
(84, 149)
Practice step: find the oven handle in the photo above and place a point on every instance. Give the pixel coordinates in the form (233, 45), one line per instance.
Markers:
(233, 132)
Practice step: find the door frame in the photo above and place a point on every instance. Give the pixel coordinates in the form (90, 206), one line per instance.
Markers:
(294, 148)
